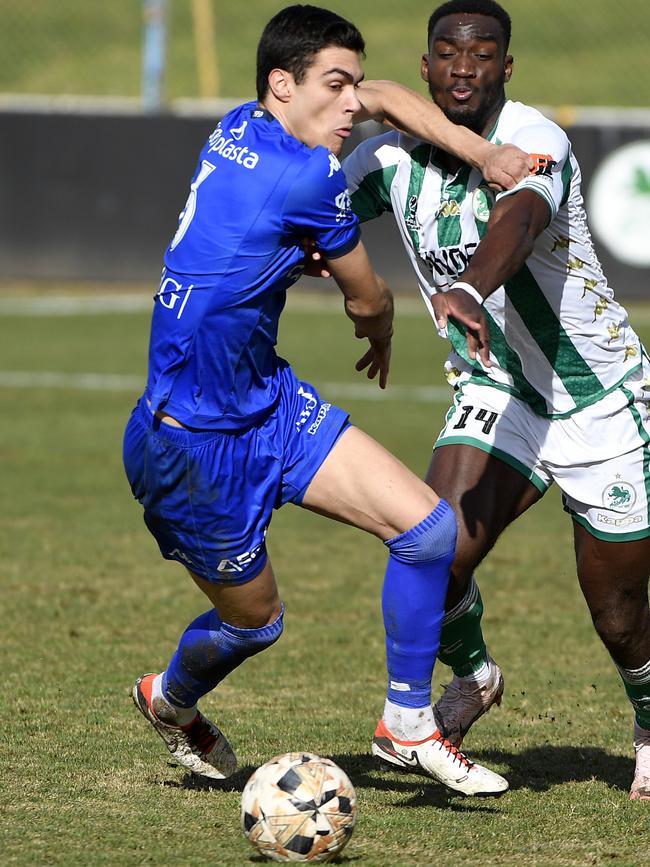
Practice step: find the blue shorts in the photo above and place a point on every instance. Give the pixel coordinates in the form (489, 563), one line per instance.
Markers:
(208, 496)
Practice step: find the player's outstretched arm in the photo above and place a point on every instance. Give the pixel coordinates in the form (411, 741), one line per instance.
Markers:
(389, 102)
(369, 304)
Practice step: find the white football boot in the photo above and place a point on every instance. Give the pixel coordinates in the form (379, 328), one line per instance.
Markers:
(464, 701)
(640, 790)
(199, 746)
(435, 757)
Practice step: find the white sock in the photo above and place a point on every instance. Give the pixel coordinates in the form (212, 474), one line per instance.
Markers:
(409, 723)
(481, 676)
(166, 711)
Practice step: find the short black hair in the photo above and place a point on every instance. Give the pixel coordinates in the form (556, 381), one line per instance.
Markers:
(473, 7)
(293, 38)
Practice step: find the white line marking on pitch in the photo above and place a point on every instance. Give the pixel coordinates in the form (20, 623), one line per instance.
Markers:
(91, 305)
(128, 382)
(297, 302)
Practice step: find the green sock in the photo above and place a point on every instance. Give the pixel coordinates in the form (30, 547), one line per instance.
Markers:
(637, 686)
(461, 642)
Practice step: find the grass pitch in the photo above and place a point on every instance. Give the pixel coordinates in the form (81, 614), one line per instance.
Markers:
(88, 605)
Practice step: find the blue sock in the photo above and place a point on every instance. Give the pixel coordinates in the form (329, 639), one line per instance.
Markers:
(209, 650)
(413, 604)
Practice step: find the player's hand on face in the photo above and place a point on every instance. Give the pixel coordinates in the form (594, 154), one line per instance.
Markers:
(505, 165)
(377, 359)
(464, 309)
(315, 265)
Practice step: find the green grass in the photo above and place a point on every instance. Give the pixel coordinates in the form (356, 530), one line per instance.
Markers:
(566, 53)
(88, 605)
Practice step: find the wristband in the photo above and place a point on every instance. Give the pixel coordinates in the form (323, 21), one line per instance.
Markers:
(467, 287)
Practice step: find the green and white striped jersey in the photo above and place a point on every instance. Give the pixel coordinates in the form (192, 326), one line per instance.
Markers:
(559, 340)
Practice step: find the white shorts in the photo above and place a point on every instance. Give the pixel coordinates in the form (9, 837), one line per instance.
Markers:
(599, 456)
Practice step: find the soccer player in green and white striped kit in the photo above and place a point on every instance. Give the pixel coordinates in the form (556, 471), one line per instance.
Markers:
(566, 397)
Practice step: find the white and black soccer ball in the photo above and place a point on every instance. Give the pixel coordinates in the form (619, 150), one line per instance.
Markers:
(299, 807)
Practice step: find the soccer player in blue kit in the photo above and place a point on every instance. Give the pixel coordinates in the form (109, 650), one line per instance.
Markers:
(225, 432)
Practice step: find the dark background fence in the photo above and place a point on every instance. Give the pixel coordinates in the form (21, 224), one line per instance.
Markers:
(97, 196)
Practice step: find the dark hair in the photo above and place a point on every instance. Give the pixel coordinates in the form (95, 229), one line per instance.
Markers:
(473, 7)
(294, 36)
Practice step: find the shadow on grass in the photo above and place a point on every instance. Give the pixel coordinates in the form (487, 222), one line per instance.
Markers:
(235, 783)
(536, 769)
(341, 859)
(364, 771)
(539, 768)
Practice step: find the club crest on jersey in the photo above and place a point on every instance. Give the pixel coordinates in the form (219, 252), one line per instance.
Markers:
(482, 202)
(619, 496)
(225, 147)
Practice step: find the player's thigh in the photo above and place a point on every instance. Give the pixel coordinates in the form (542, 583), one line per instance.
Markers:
(332, 468)
(363, 484)
(485, 492)
(612, 573)
(486, 464)
(248, 606)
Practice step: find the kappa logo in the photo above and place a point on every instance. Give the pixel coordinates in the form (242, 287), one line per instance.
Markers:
(344, 204)
(310, 405)
(619, 497)
(335, 165)
(448, 208)
(618, 522)
(322, 412)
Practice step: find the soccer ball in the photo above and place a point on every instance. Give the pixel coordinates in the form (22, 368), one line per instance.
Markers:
(299, 807)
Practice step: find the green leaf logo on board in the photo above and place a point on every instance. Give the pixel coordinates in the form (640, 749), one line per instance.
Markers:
(618, 203)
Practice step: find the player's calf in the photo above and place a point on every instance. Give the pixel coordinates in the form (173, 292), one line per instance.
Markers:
(413, 602)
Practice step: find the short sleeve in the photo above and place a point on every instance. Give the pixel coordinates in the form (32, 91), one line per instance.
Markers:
(318, 206)
(550, 176)
(370, 170)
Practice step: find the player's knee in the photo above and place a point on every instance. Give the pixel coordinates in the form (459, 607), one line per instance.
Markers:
(255, 638)
(258, 615)
(432, 539)
(616, 630)
(465, 565)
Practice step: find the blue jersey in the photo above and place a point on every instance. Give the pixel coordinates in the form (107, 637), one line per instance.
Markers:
(256, 194)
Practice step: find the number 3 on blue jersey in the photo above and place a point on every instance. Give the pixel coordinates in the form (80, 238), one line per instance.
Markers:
(190, 205)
